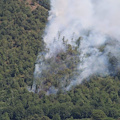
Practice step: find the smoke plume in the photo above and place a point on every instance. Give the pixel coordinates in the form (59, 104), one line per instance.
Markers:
(97, 22)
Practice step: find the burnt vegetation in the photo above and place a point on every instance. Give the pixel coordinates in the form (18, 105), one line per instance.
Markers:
(58, 70)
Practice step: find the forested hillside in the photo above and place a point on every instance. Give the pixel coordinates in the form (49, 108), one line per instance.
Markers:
(20, 40)
(22, 23)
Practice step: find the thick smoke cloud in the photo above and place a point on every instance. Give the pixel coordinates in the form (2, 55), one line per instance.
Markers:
(96, 21)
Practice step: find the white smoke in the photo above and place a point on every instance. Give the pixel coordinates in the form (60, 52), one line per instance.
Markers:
(96, 21)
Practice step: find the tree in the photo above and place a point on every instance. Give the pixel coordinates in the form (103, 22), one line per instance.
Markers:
(5, 116)
(98, 115)
(56, 117)
(45, 118)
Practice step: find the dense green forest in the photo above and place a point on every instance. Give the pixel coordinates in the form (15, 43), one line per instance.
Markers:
(22, 23)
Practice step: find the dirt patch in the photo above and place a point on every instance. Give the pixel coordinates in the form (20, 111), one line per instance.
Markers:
(33, 5)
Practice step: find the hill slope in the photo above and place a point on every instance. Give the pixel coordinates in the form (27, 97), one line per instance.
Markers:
(22, 25)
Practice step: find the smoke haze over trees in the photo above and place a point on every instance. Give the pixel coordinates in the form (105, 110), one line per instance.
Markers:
(95, 24)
